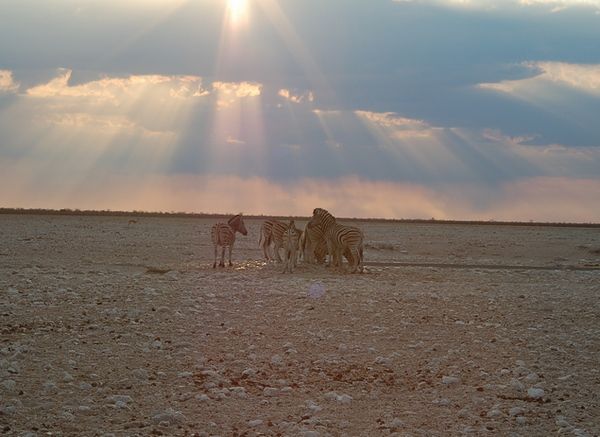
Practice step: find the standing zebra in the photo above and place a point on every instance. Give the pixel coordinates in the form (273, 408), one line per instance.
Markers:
(223, 234)
(290, 239)
(313, 244)
(272, 232)
(341, 239)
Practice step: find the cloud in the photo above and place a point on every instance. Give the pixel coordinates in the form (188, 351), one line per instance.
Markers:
(525, 199)
(116, 89)
(230, 93)
(583, 78)
(286, 94)
(553, 5)
(7, 82)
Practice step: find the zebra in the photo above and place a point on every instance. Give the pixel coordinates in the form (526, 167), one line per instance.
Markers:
(264, 240)
(223, 234)
(290, 240)
(313, 244)
(272, 232)
(347, 240)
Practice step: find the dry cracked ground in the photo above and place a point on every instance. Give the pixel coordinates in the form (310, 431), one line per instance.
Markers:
(111, 328)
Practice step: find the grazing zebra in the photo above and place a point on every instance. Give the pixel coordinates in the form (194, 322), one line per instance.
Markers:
(290, 240)
(347, 240)
(223, 234)
(313, 245)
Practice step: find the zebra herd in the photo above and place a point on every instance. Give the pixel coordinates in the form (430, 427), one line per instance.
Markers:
(322, 237)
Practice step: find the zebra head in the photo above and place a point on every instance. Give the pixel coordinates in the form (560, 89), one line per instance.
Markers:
(237, 224)
(321, 217)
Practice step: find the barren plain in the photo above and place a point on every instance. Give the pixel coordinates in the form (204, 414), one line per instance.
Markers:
(112, 328)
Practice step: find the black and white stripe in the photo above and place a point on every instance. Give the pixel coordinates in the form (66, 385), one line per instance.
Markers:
(313, 245)
(223, 234)
(341, 239)
(272, 232)
(290, 240)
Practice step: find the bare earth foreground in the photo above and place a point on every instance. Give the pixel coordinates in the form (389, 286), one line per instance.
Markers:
(110, 328)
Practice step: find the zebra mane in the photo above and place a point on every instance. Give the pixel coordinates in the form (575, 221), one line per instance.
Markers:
(320, 212)
(234, 219)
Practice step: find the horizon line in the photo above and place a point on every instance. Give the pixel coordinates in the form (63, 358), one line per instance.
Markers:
(182, 214)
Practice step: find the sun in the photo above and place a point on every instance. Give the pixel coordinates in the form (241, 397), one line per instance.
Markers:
(237, 10)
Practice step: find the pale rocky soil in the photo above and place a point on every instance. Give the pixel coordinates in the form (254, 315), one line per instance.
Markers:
(116, 329)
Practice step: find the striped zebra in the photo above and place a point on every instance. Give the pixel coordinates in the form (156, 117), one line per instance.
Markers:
(313, 244)
(272, 232)
(341, 239)
(223, 234)
(264, 240)
(290, 240)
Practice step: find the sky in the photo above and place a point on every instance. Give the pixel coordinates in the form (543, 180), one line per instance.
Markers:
(445, 109)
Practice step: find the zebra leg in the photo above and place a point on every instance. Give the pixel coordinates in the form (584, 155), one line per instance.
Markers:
(230, 250)
(216, 252)
(285, 263)
(277, 256)
(222, 263)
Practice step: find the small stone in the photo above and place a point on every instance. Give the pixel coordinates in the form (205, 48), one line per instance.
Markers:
(248, 373)
(126, 399)
(9, 385)
(169, 417)
(516, 411)
(255, 423)
(276, 360)
(494, 413)
(383, 361)
(141, 374)
(67, 377)
(270, 391)
(185, 374)
(450, 380)
(396, 424)
(532, 377)
(535, 393)
(203, 397)
(314, 408)
(344, 399)
(517, 385)
(521, 420)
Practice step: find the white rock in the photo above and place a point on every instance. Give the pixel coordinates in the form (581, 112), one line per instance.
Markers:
(314, 408)
(516, 411)
(203, 397)
(535, 393)
(185, 374)
(383, 360)
(141, 374)
(9, 385)
(248, 372)
(120, 398)
(270, 391)
(255, 423)
(449, 380)
(517, 385)
(169, 417)
(494, 413)
(532, 377)
(396, 424)
(344, 399)
(521, 420)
